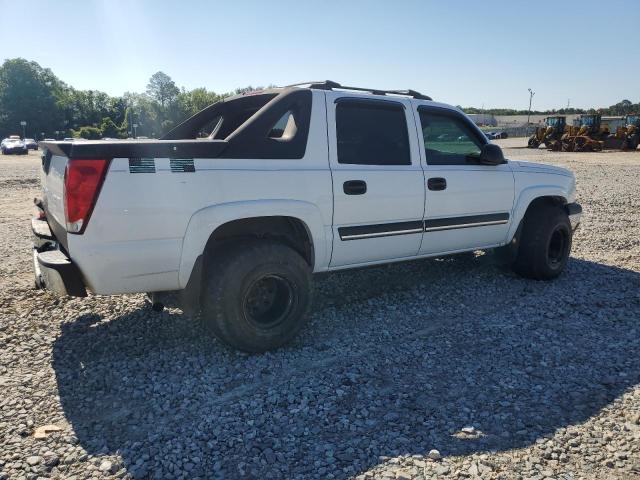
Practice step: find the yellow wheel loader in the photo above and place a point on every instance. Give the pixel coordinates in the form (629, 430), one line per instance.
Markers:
(589, 136)
(549, 134)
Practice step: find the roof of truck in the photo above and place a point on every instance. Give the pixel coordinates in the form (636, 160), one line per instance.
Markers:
(331, 85)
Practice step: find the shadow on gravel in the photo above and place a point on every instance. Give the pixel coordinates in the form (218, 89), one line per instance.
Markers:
(154, 390)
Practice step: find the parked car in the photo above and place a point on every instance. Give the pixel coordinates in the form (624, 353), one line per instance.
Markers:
(13, 146)
(490, 135)
(291, 181)
(9, 139)
(501, 135)
(31, 144)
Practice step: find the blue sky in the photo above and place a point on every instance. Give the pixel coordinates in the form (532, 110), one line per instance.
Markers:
(461, 52)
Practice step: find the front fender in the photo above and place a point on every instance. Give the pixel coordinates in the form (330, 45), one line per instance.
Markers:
(528, 195)
(205, 221)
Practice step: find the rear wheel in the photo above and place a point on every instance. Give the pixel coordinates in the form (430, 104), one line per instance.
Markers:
(545, 243)
(256, 295)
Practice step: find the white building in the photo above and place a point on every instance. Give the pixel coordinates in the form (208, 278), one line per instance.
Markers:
(483, 119)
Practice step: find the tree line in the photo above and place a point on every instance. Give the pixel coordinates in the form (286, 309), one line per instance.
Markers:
(624, 107)
(52, 109)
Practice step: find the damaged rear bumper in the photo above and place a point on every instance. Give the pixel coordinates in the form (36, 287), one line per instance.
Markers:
(53, 268)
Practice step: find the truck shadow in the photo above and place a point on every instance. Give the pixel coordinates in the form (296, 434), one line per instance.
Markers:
(153, 389)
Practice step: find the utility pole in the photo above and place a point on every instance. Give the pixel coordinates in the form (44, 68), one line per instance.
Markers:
(568, 103)
(24, 129)
(531, 94)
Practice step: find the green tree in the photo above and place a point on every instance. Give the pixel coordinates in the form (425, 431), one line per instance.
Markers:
(90, 133)
(117, 107)
(28, 92)
(109, 128)
(162, 88)
(189, 103)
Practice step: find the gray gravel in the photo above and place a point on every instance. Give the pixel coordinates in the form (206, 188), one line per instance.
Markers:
(447, 368)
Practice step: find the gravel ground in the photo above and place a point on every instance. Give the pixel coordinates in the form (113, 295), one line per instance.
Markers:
(446, 368)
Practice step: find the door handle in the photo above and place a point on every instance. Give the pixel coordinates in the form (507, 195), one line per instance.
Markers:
(355, 187)
(437, 183)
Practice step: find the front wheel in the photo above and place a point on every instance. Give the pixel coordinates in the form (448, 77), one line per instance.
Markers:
(545, 243)
(256, 295)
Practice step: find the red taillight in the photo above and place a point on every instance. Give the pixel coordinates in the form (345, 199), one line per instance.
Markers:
(82, 182)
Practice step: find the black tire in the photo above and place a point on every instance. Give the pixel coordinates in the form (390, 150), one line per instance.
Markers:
(545, 243)
(256, 295)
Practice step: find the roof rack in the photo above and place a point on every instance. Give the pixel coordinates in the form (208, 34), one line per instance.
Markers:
(331, 85)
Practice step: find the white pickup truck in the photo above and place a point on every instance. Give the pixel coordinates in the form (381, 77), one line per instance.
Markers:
(235, 208)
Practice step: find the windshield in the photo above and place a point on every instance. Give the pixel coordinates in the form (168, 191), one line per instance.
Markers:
(553, 121)
(588, 121)
(633, 120)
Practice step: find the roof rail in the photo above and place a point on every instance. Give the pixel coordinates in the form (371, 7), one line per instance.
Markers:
(331, 85)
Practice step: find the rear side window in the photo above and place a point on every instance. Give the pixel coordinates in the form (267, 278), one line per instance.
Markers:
(372, 133)
(285, 128)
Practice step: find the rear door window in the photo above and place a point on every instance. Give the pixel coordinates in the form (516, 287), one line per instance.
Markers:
(372, 133)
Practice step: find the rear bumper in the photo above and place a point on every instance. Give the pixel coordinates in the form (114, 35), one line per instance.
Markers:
(53, 269)
(574, 211)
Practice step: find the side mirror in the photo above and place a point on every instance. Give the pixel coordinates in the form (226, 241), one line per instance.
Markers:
(491, 154)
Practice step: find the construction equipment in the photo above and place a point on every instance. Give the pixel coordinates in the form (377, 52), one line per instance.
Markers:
(632, 139)
(589, 136)
(549, 134)
(626, 136)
